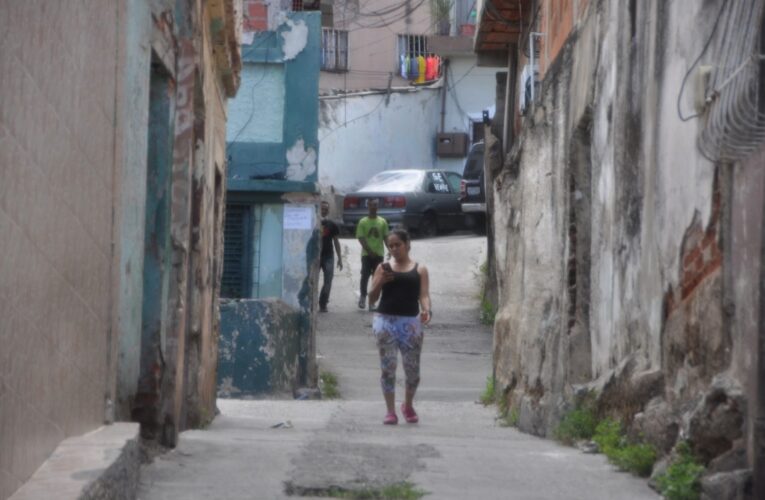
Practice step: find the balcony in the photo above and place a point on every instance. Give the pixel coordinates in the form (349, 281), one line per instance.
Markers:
(454, 33)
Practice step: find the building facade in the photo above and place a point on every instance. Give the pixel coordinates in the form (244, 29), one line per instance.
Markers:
(618, 170)
(112, 161)
(372, 94)
(272, 225)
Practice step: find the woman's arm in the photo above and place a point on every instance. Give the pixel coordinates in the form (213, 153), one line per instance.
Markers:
(380, 277)
(425, 312)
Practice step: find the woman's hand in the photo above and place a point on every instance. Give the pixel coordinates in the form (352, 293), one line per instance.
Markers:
(425, 316)
(383, 274)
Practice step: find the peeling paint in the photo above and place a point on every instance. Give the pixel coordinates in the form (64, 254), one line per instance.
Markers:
(301, 161)
(295, 40)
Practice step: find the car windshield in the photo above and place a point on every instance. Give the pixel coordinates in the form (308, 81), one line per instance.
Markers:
(397, 181)
(474, 163)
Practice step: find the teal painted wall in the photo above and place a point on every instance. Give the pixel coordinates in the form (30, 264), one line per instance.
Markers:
(132, 218)
(277, 169)
(283, 63)
(262, 92)
(269, 249)
(259, 347)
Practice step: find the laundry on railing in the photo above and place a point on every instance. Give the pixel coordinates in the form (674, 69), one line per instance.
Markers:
(421, 68)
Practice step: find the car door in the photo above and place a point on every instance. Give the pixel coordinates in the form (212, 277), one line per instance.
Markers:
(439, 194)
(455, 208)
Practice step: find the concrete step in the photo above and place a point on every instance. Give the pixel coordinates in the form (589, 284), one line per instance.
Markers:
(102, 464)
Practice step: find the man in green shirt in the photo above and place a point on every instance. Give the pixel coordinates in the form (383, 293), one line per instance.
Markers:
(371, 232)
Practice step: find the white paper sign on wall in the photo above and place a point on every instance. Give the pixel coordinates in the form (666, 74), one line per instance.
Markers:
(298, 218)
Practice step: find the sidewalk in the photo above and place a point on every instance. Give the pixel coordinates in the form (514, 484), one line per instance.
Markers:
(457, 450)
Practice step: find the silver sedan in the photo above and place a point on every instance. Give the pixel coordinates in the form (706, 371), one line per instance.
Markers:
(422, 201)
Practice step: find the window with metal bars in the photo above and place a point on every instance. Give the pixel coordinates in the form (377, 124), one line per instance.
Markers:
(300, 5)
(411, 46)
(236, 252)
(252, 251)
(334, 50)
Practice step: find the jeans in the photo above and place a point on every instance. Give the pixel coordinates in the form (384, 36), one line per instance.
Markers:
(368, 266)
(328, 268)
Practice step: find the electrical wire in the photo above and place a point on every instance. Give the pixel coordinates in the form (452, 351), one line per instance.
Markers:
(255, 86)
(695, 62)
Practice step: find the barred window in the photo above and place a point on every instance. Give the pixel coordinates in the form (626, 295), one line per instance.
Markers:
(334, 50)
(301, 5)
(411, 46)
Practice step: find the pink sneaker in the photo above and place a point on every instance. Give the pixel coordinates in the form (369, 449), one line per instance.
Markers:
(390, 419)
(409, 414)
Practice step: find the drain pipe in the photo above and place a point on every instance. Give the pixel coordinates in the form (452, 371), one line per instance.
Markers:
(758, 426)
(758, 423)
(532, 51)
(443, 95)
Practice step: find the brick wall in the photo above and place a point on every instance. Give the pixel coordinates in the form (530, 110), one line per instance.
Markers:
(701, 255)
(57, 88)
(255, 15)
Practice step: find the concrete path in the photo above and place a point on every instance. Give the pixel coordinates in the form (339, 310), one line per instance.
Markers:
(262, 449)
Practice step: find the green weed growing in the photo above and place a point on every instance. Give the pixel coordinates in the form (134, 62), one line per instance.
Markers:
(488, 313)
(637, 458)
(681, 481)
(576, 425)
(488, 396)
(328, 385)
(399, 491)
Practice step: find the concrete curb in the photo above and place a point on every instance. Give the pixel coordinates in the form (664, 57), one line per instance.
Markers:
(102, 464)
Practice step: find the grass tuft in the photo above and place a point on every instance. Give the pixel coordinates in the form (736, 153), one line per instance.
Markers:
(489, 397)
(398, 491)
(681, 481)
(608, 436)
(637, 458)
(510, 418)
(576, 425)
(328, 385)
(488, 313)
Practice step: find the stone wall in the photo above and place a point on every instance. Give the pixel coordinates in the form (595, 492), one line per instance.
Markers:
(610, 238)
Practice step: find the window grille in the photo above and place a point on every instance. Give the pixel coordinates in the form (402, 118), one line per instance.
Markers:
(411, 46)
(257, 224)
(235, 252)
(334, 50)
(300, 5)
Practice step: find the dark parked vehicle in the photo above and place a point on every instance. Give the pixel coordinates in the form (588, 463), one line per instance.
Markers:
(473, 189)
(423, 201)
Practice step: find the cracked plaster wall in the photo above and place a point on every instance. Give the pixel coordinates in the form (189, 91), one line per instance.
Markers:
(648, 185)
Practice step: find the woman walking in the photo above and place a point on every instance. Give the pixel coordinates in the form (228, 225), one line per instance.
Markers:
(404, 308)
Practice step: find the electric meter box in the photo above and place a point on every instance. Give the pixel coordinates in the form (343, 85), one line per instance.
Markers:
(451, 144)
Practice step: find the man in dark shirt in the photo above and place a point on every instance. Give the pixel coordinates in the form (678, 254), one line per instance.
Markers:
(329, 234)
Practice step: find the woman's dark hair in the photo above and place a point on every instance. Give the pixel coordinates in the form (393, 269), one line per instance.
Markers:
(402, 234)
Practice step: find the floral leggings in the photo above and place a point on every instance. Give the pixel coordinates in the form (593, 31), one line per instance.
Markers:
(396, 333)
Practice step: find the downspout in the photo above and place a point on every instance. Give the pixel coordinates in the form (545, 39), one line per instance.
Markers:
(443, 94)
(532, 50)
(758, 425)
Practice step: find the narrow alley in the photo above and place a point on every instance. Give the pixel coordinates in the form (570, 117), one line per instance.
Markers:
(181, 181)
(271, 447)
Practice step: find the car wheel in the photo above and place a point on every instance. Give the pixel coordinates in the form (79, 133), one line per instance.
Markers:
(428, 225)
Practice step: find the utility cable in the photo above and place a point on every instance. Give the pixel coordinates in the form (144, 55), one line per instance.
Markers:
(690, 70)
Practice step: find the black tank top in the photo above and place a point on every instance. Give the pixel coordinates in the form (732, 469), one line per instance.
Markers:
(402, 295)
